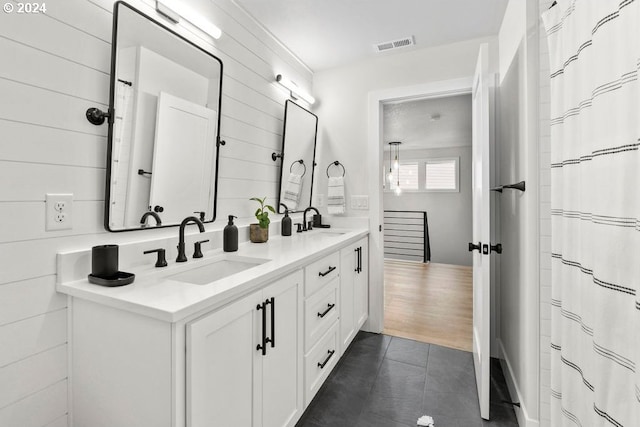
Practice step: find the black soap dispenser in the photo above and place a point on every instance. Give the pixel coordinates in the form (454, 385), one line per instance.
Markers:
(230, 236)
(286, 223)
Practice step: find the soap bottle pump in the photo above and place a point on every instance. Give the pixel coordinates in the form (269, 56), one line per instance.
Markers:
(230, 236)
(286, 223)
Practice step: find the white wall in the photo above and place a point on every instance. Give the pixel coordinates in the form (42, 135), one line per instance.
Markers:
(517, 153)
(342, 107)
(55, 66)
(449, 214)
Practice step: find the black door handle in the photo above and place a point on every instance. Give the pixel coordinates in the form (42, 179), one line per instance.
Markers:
(497, 248)
(326, 272)
(263, 346)
(473, 247)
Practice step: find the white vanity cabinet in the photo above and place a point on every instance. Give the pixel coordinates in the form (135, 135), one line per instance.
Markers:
(354, 289)
(242, 360)
(251, 350)
(128, 369)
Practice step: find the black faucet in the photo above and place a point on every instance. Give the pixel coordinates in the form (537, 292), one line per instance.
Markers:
(182, 257)
(304, 218)
(143, 220)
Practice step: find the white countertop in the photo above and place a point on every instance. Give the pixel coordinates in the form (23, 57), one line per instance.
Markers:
(155, 294)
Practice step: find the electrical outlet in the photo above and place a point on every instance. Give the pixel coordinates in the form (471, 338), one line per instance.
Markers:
(58, 212)
(360, 202)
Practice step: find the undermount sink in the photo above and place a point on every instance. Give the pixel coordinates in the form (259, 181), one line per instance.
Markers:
(217, 270)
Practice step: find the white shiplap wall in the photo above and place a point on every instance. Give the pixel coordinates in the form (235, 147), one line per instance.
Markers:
(545, 224)
(52, 68)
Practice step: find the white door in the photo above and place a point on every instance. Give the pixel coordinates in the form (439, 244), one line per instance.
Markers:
(481, 228)
(183, 158)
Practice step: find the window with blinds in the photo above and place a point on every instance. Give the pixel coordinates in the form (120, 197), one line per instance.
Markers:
(408, 177)
(441, 175)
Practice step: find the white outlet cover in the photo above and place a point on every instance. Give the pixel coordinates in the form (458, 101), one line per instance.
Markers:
(58, 212)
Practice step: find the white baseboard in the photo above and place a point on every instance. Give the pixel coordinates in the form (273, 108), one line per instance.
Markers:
(524, 420)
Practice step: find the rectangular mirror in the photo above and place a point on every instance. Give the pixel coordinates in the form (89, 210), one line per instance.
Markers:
(164, 132)
(298, 158)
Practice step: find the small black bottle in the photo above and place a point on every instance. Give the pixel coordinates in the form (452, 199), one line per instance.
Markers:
(230, 236)
(286, 223)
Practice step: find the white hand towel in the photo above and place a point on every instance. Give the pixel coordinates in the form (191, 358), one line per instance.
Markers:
(292, 191)
(335, 195)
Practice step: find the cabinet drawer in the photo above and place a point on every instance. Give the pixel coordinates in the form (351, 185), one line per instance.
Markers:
(320, 312)
(320, 361)
(319, 273)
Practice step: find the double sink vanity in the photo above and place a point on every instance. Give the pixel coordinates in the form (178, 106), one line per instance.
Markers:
(237, 339)
(230, 339)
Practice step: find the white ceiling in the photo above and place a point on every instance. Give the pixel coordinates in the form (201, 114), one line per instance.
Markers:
(331, 33)
(411, 123)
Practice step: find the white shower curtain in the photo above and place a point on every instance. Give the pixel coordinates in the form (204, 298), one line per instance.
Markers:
(595, 183)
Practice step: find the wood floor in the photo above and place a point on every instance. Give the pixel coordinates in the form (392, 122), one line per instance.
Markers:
(431, 303)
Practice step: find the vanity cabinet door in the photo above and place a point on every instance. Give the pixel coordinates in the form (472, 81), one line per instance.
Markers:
(354, 290)
(361, 287)
(282, 370)
(348, 263)
(221, 364)
(244, 361)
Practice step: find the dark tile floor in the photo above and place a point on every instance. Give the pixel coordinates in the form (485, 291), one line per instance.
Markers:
(385, 381)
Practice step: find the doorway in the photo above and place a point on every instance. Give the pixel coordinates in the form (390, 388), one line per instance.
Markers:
(376, 161)
(428, 219)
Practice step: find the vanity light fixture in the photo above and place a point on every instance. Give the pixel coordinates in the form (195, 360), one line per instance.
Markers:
(295, 91)
(175, 11)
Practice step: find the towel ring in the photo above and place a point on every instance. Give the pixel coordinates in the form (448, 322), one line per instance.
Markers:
(303, 165)
(336, 163)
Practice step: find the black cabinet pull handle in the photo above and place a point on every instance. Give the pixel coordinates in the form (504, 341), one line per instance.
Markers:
(272, 302)
(326, 272)
(324, 313)
(322, 365)
(360, 260)
(263, 346)
(357, 251)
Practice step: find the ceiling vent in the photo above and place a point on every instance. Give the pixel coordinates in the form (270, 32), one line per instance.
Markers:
(395, 44)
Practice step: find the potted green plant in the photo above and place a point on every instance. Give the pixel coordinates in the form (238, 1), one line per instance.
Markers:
(259, 233)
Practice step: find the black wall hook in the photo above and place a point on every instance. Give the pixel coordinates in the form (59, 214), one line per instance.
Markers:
(96, 116)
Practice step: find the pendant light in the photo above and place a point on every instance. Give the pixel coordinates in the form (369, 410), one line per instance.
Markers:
(394, 150)
(389, 176)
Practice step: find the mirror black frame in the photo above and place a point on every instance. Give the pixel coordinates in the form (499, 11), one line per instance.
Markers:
(112, 87)
(282, 170)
